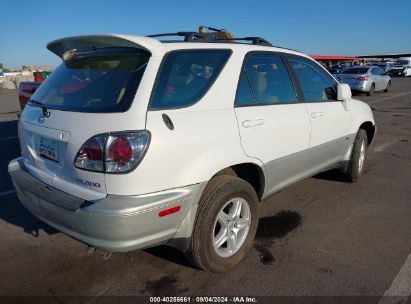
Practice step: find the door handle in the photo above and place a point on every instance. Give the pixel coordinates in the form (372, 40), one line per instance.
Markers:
(252, 123)
(317, 114)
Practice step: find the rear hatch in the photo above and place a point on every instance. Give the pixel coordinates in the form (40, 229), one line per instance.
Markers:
(88, 94)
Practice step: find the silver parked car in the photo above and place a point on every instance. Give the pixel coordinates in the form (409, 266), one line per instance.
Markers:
(366, 79)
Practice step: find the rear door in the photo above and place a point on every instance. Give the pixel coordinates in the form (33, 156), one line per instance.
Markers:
(274, 125)
(379, 79)
(330, 120)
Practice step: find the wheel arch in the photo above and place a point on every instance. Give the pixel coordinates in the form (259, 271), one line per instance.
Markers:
(369, 128)
(250, 172)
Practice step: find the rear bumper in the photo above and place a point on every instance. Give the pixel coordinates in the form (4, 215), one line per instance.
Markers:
(361, 86)
(115, 223)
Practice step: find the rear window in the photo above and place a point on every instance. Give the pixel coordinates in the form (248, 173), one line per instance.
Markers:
(96, 81)
(186, 76)
(356, 71)
(401, 62)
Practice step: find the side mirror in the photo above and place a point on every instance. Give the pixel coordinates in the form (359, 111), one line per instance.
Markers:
(343, 92)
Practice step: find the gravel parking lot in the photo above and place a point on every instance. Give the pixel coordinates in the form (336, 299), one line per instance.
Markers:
(320, 237)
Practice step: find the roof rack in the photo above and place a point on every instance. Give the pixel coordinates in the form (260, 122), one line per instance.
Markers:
(188, 36)
(254, 40)
(217, 35)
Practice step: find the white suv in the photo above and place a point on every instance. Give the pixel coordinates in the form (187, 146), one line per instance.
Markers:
(133, 142)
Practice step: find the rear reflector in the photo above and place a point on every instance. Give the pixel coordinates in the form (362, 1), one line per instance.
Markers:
(362, 78)
(169, 211)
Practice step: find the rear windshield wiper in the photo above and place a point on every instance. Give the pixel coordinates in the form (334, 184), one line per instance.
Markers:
(41, 105)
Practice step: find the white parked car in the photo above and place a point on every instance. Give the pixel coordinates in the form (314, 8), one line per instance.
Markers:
(132, 142)
(402, 67)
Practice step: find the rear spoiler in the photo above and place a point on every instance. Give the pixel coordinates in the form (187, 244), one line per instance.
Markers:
(82, 43)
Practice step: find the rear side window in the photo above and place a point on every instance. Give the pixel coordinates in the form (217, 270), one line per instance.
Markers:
(315, 83)
(269, 79)
(377, 71)
(186, 76)
(95, 81)
(245, 95)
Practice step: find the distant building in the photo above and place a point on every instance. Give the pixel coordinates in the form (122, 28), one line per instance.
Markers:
(328, 61)
(44, 68)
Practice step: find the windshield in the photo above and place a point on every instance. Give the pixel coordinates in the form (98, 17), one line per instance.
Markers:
(95, 81)
(401, 62)
(355, 71)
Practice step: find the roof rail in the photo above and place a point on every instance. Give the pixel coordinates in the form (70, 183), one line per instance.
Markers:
(254, 40)
(216, 36)
(188, 36)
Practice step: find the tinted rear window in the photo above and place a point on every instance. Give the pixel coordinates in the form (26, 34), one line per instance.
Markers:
(268, 76)
(186, 76)
(95, 81)
(356, 71)
(401, 62)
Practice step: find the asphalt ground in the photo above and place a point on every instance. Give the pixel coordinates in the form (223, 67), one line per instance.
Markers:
(320, 237)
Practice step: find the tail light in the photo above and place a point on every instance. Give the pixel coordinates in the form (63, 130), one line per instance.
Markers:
(91, 154)
(362, 78)
(113, 152)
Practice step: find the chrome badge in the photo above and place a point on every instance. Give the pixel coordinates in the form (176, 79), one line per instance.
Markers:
(88, 183)
(42, 118)
(44, 114)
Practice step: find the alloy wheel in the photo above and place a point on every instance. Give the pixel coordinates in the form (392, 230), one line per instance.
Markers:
(231, 227)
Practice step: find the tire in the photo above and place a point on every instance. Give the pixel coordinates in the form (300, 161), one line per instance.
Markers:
(371, 91)
(223, 191)
(387, 89)
(356, 164)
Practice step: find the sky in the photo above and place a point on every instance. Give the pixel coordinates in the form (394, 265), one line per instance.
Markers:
(320, 27)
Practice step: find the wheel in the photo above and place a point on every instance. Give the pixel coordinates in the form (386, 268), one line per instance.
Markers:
(388, 87)
(355, 168)
(225, 225)
(371, 91)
